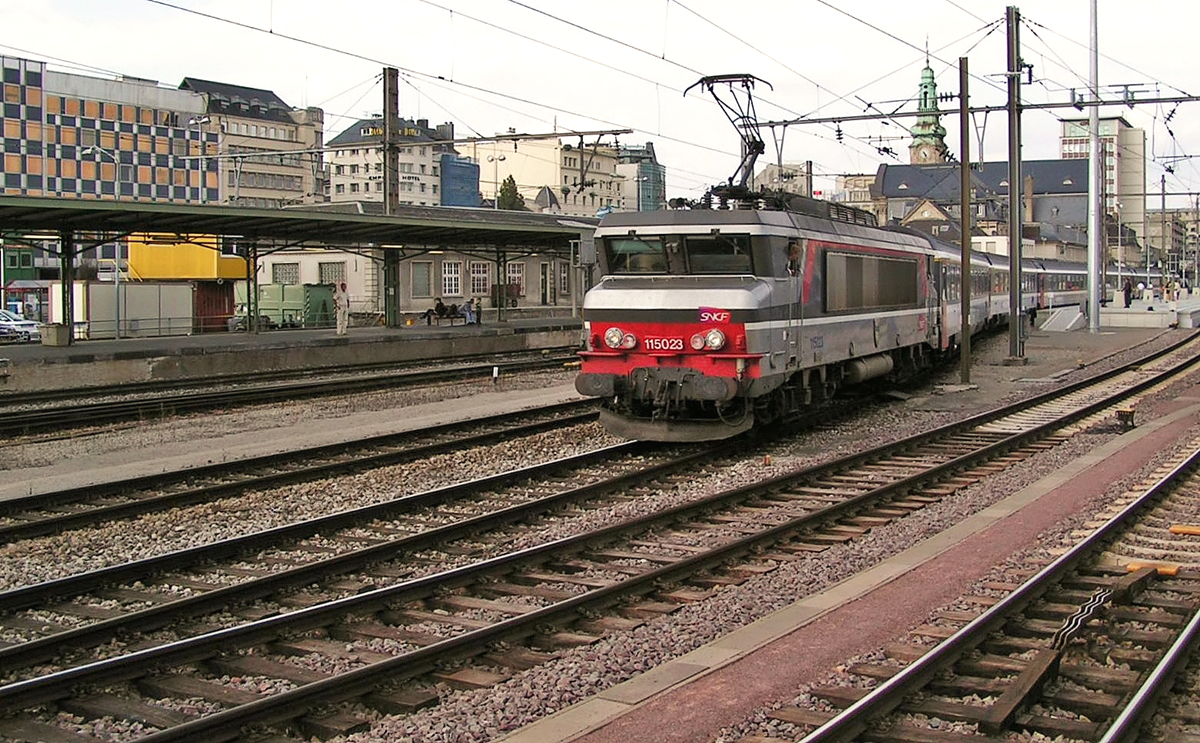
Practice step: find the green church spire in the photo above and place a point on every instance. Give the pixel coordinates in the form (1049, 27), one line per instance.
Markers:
(929, 136)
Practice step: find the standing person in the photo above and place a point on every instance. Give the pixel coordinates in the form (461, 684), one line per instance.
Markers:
(1128, 291)
(341, 301)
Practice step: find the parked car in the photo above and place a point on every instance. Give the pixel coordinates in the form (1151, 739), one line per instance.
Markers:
(25, 331)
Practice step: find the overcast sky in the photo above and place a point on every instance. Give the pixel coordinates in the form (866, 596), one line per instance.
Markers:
(547, 65)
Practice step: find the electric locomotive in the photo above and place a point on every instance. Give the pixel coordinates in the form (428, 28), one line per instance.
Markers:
(708, 322)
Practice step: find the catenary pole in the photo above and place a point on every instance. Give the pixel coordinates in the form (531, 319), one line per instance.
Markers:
(1014, 185)
(1096, 258)
(964, 136)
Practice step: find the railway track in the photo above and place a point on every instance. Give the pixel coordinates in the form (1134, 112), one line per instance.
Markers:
(1081, 651)
(21, 421)
(156, 387)
(57, 511)
(474, 610)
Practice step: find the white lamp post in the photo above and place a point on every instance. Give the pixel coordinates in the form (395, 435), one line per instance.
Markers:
(199, 123)
(95, 150)
(496, 159)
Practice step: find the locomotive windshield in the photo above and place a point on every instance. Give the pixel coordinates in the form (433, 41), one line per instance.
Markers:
(718, 253)
(635, 255)
(679, 254)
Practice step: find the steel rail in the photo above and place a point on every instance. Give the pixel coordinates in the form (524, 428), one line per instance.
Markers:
(890, 694)
(1127, 726)
(292, 471)
(271, 375)
(26, 596)
(19, 422)
(45, 648)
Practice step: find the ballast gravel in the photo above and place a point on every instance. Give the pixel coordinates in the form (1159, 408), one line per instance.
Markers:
(485, 714)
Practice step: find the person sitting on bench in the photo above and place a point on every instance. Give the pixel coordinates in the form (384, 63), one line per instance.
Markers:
(468, 311)
(438, 310)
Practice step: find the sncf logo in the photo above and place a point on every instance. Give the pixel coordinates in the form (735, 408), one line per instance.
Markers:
(714, 315)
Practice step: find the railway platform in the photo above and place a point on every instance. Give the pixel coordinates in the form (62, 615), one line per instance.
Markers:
(1143, 312)
(29, 367)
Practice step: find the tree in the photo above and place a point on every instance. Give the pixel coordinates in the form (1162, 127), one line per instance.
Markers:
(510, 198)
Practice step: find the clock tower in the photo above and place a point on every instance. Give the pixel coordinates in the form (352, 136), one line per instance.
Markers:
(929, 136)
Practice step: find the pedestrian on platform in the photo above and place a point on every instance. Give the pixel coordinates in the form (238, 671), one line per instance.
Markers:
(341, 302)
(1128, 291)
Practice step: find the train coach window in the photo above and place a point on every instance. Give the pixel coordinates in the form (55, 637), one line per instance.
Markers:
(723, 254)
(635, 255)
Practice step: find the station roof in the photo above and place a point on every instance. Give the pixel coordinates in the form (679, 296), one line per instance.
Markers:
(409, 227)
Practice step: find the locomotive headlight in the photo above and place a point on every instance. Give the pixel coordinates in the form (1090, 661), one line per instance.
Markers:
(713, 340)
(615, 338)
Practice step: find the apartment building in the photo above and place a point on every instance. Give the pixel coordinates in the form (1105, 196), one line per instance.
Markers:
(267, 154)
(431, 171)
(1123, 152)
(583, 182)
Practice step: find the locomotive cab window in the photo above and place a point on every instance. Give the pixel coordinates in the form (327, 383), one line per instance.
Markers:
(635, 255)
(722, 254)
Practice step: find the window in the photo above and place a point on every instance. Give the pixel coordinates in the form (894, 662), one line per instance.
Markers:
(721, 254)
(481, 277)
(422, 279)
(285, 273)
(516, 275)
(331, 273)
(635, 255)
(858, 282)
(340, 188)
(564, 278)
(452, 278)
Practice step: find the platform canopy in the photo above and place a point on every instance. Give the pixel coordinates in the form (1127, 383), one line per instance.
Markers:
(450, 227)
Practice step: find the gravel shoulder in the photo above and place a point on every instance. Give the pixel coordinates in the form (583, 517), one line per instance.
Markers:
(200, 439)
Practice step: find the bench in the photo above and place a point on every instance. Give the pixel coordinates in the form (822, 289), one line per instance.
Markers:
(450, 319)
(1125, 418)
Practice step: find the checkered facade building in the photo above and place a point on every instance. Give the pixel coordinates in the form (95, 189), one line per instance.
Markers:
(143, 151)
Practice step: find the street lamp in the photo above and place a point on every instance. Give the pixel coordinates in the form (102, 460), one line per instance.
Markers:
(497, 159)
(96, 150)
(199, 123)
(640, 180)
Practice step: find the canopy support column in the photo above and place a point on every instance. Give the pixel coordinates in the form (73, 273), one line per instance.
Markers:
(391, 288)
